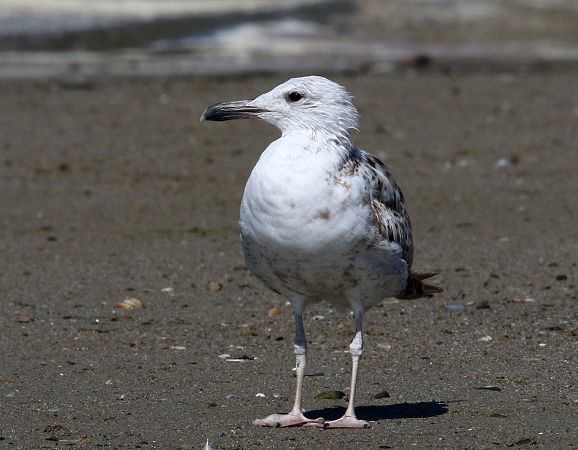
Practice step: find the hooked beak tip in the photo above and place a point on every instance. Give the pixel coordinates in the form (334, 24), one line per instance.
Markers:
(230, 111)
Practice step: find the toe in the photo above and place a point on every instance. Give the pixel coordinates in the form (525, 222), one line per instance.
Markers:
(288, 420)
(348, 422)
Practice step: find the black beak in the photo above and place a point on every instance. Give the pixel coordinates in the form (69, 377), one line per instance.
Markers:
(231, 110)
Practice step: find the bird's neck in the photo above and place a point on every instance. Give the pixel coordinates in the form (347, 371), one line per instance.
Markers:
(320, 140)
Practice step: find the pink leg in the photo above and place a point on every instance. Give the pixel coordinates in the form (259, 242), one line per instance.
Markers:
(349, 420)
(295, 418)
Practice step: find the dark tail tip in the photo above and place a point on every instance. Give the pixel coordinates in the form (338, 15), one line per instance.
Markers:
(416, 289)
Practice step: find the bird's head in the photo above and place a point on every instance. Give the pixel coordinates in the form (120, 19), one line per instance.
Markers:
(312, 104)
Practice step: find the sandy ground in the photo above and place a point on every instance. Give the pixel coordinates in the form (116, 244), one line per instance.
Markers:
(113, 190)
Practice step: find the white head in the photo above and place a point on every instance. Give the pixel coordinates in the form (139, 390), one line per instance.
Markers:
(312, 104)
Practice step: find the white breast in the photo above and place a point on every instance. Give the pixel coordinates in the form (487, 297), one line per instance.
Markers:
(303, 229)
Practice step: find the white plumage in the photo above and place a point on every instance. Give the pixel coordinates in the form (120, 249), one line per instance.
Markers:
(321, 219)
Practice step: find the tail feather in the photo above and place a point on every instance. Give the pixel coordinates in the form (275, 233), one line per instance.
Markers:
(416, 289)
(423, 275)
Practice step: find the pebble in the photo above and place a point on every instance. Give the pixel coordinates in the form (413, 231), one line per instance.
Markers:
(382, 394)
(330, 395)
(485, 339)
(489, 388)
(214, 286)
(273, 311)
(24, 319)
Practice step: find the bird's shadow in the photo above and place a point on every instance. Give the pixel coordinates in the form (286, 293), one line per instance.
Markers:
(382, 412)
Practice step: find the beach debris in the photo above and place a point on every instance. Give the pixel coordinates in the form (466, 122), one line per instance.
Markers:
(208, 446)
(319, 317)
(310, 374)
(382, 394)
(489, 388)
(231, 396)
(330, 395)
(505, 162)
(168, 290)
(214, 286)
(260, 394)
(23, 318)
(243, 358)
(485, 339)
(177, 347)
(130, 303)
(483, 305)
(456, 307)
(497, 414)
(384, 346)
(315, 374)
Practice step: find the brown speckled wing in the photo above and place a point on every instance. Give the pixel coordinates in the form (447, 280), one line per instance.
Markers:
(387, 201)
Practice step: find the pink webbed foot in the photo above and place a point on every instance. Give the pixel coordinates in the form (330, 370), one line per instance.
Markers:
(347, 422)
(289, 420)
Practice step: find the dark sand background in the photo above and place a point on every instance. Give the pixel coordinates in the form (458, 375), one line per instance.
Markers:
(112, 189)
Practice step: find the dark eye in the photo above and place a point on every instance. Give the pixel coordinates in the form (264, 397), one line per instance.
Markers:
(294, 96)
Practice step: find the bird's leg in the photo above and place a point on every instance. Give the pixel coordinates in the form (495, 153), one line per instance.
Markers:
(295, 418)
(349, 420)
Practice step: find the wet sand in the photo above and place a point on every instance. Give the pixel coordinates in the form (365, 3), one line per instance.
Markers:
(112, 189)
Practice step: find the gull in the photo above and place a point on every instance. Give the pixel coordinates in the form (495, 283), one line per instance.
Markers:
(322, 219)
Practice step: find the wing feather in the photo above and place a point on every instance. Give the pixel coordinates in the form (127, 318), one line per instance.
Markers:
(386, 200)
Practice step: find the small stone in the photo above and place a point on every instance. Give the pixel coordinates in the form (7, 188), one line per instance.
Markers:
(485, 339)
(214, 287)
(273, 311)
(524, 441)
(330, 395)
(382, 394)
(483, 305)
(561, 277)
(24, 319)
